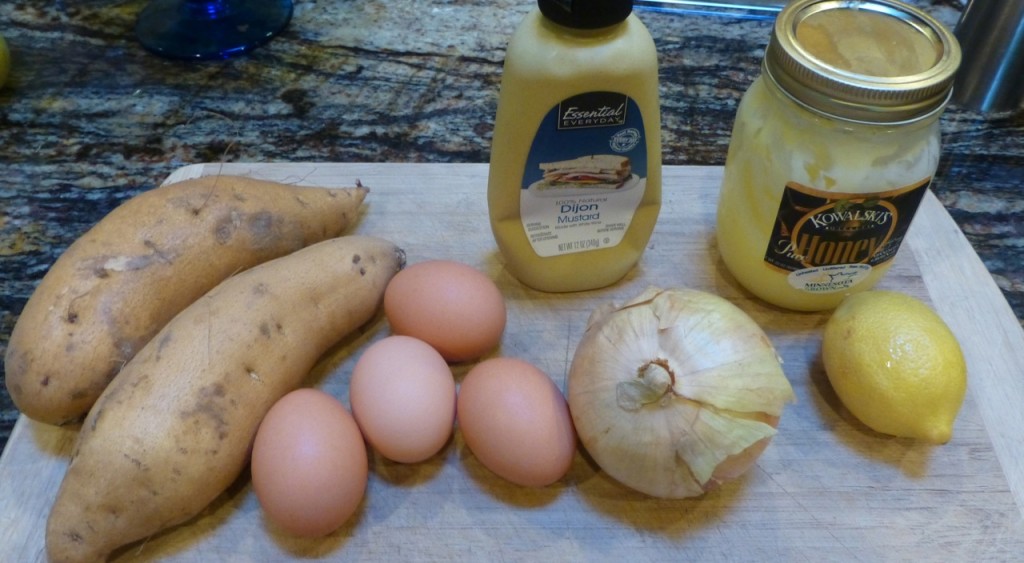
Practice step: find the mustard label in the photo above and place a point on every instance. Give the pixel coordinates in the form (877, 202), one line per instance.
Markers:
(585, 174)
(831, 241)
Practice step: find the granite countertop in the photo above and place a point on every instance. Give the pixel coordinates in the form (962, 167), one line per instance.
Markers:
(89, 118)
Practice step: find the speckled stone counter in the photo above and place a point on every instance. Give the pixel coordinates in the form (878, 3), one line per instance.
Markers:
(89, 118)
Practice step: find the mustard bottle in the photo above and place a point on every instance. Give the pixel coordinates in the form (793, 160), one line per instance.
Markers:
(574, 187)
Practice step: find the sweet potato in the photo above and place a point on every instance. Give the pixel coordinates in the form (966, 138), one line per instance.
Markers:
(174, 428)
(148, 259)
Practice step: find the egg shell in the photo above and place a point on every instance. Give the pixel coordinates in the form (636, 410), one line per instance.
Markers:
(403, 398)
(309, 464)
(516, 421)
(452, 306)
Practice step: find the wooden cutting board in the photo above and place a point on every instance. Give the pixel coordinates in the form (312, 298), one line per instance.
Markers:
(827, 489)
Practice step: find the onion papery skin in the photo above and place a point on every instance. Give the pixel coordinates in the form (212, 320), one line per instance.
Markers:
(675, 391)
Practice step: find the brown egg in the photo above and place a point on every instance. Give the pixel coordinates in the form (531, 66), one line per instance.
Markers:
(309, 464)
(516, 421)
(403, 398)
(451, 306)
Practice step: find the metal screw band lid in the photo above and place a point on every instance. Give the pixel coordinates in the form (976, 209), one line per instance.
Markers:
(875, 61)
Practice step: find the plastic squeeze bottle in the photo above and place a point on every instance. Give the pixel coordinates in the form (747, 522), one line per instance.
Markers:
(575, 176)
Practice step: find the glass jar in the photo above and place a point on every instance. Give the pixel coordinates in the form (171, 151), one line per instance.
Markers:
(833, 148)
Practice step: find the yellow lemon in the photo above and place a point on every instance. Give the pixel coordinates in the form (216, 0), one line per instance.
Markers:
(895, 365)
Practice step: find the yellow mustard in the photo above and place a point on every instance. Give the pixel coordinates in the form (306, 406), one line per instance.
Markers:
(574, 188)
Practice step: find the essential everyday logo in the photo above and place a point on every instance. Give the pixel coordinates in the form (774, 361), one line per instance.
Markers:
(593, 109)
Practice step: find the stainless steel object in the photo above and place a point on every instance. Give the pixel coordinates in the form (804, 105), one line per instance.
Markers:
(991, 36)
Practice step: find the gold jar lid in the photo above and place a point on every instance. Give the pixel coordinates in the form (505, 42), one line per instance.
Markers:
(875, 61)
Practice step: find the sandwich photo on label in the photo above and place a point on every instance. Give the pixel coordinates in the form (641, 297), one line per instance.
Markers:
(597, 171)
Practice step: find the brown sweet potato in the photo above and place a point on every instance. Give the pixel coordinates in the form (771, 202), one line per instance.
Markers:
(173, 429)
(126, 277)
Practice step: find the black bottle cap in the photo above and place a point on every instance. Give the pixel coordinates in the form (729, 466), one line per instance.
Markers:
(586, 14)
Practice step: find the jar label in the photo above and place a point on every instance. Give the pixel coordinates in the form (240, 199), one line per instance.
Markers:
(585, 174)
(830, 241)
(828, 279)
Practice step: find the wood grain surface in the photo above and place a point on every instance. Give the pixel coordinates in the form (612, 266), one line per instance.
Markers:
(827, 489)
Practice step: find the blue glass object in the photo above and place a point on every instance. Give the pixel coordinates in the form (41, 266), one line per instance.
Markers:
(210, 29)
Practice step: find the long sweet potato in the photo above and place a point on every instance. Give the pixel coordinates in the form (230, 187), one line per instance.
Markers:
(173, 429)
(148, 259)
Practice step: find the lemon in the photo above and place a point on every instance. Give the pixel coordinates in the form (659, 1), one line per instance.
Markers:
(895, 365)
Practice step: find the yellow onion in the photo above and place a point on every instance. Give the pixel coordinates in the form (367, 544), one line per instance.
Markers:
(675, 391)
